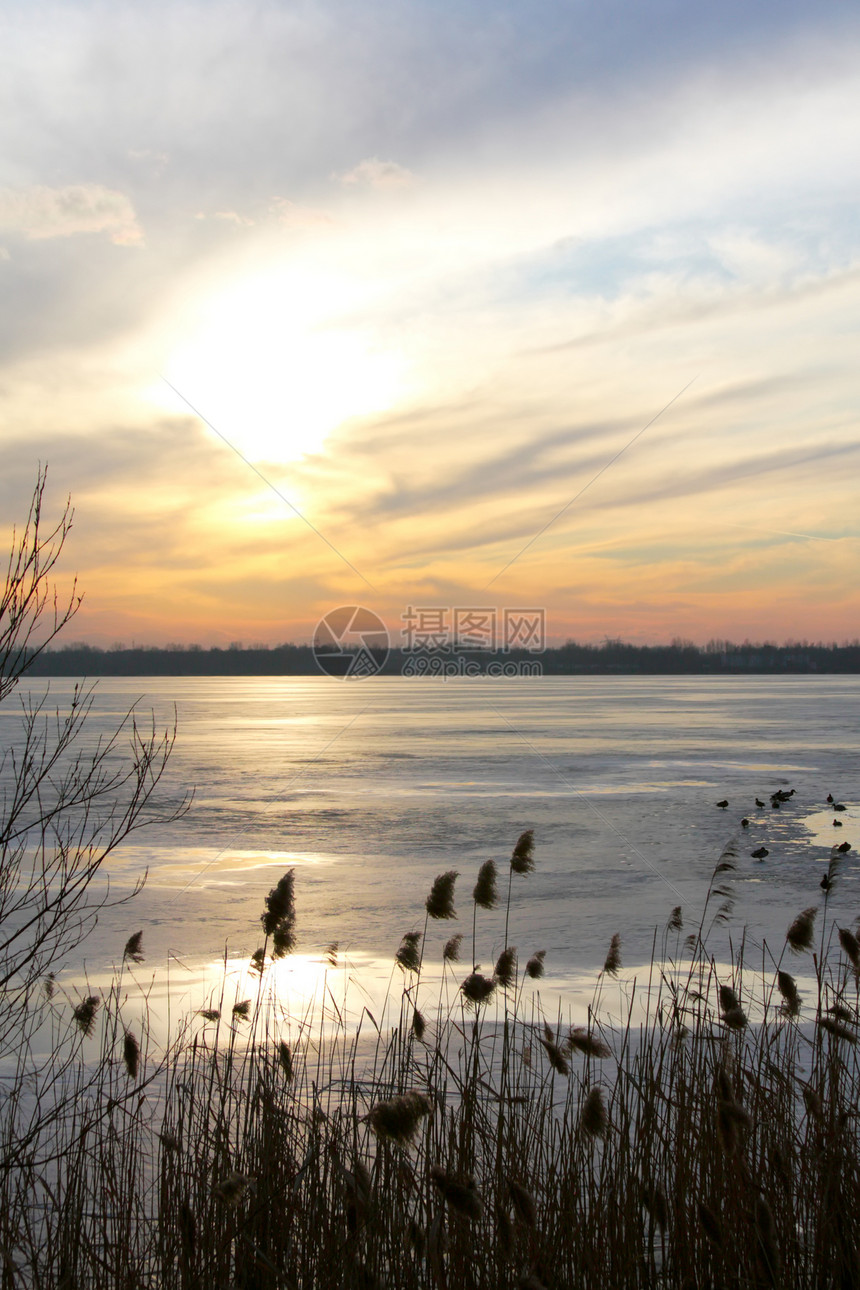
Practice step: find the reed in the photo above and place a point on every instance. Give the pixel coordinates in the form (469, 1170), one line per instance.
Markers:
(708, 1139)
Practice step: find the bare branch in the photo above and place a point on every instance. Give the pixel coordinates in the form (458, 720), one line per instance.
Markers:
(31, 612)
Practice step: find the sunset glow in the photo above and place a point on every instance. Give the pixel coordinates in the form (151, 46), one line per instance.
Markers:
(432, 281)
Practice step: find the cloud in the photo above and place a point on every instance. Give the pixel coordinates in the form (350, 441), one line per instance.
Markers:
(233, 217)
(280, 210)
(292, 215)
(374, 173)
(40, 212)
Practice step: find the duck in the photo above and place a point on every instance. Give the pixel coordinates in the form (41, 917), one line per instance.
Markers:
(723, 804)
(838, 806)
(837, 824)
(843, 847)
(759, 802)
(745, 823)
(760, 853)
(830, 797)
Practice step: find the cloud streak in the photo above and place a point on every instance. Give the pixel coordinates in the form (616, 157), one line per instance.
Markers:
(40, 212)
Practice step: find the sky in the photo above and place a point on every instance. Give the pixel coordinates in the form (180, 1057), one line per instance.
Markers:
(410, 304)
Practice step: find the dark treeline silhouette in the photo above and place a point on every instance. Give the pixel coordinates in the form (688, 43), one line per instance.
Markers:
(612, 656)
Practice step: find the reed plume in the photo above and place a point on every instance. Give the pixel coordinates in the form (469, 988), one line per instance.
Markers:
(851, 946)
(725, 1088)
(790, 997)
(451, 951)
(612, 961)
(131, 1054)
(440, 902)
(676, 921)
(187, 1229)
(506, 966)
(581, 1040)
(485, 892)
(358, 1190)
(477, 988)
(462, 1197)
(397, 1120)
(799, 934)
(134, 948)
(523, 857)
(654, 1200)
(726, 862)
(557, 1059)
(84, 1014)
(232, 1188)
(280, 903)
(728, 998)
(812, 1101)
(837, 1029)
(731, 1117)
(841, 1013)
(283, 940)
(408, 956)
(419, 1024)
(242, 1011)
(535, 965)
(833, 866)
(285, 1059)
(593, 1118)
(278, 918)
(735, 1018)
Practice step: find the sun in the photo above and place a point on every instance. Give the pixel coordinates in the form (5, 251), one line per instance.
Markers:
(277, 361)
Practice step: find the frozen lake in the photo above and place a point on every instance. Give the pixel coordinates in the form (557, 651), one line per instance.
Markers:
(371, 788)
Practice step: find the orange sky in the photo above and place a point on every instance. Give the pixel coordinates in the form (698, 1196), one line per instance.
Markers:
(431, 322)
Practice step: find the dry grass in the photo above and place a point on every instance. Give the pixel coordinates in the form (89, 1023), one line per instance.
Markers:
(713, 1142)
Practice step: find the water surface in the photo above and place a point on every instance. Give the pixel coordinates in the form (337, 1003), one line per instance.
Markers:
(372, 788)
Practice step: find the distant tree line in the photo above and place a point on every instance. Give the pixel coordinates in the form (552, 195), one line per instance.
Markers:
(681, 657)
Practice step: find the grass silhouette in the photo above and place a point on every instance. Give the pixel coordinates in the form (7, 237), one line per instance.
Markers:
(708, 1139)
